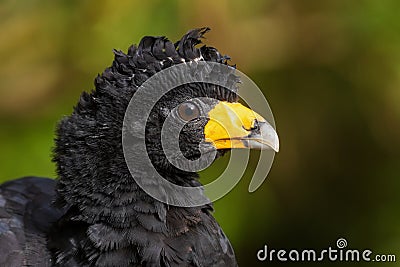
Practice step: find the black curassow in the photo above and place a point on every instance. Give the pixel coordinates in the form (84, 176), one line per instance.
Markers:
(94, 214)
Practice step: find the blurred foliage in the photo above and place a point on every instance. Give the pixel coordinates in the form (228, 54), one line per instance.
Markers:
(331, 72)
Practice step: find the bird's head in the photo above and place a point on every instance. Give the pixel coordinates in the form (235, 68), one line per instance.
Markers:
(206, 118)
(89, 142)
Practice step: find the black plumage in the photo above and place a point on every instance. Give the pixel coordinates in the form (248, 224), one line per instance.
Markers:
(94, 214)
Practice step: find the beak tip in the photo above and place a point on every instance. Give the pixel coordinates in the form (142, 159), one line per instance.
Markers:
(276, 143)
(270, 136)
(276, 148)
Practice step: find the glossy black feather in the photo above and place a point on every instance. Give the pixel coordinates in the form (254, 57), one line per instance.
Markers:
(26, 215)
(101, 217)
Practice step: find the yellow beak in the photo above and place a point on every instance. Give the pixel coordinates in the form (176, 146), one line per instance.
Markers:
(232, 125)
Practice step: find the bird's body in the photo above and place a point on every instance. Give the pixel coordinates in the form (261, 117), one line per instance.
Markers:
(26, 215)
(95, 214)
(31, 229)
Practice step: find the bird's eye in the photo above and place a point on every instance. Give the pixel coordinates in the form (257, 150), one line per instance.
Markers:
(188, 111)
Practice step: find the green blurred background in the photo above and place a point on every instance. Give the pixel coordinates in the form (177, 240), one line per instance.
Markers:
(330, 70)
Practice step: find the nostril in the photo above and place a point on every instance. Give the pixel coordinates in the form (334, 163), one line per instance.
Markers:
(256, 125)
